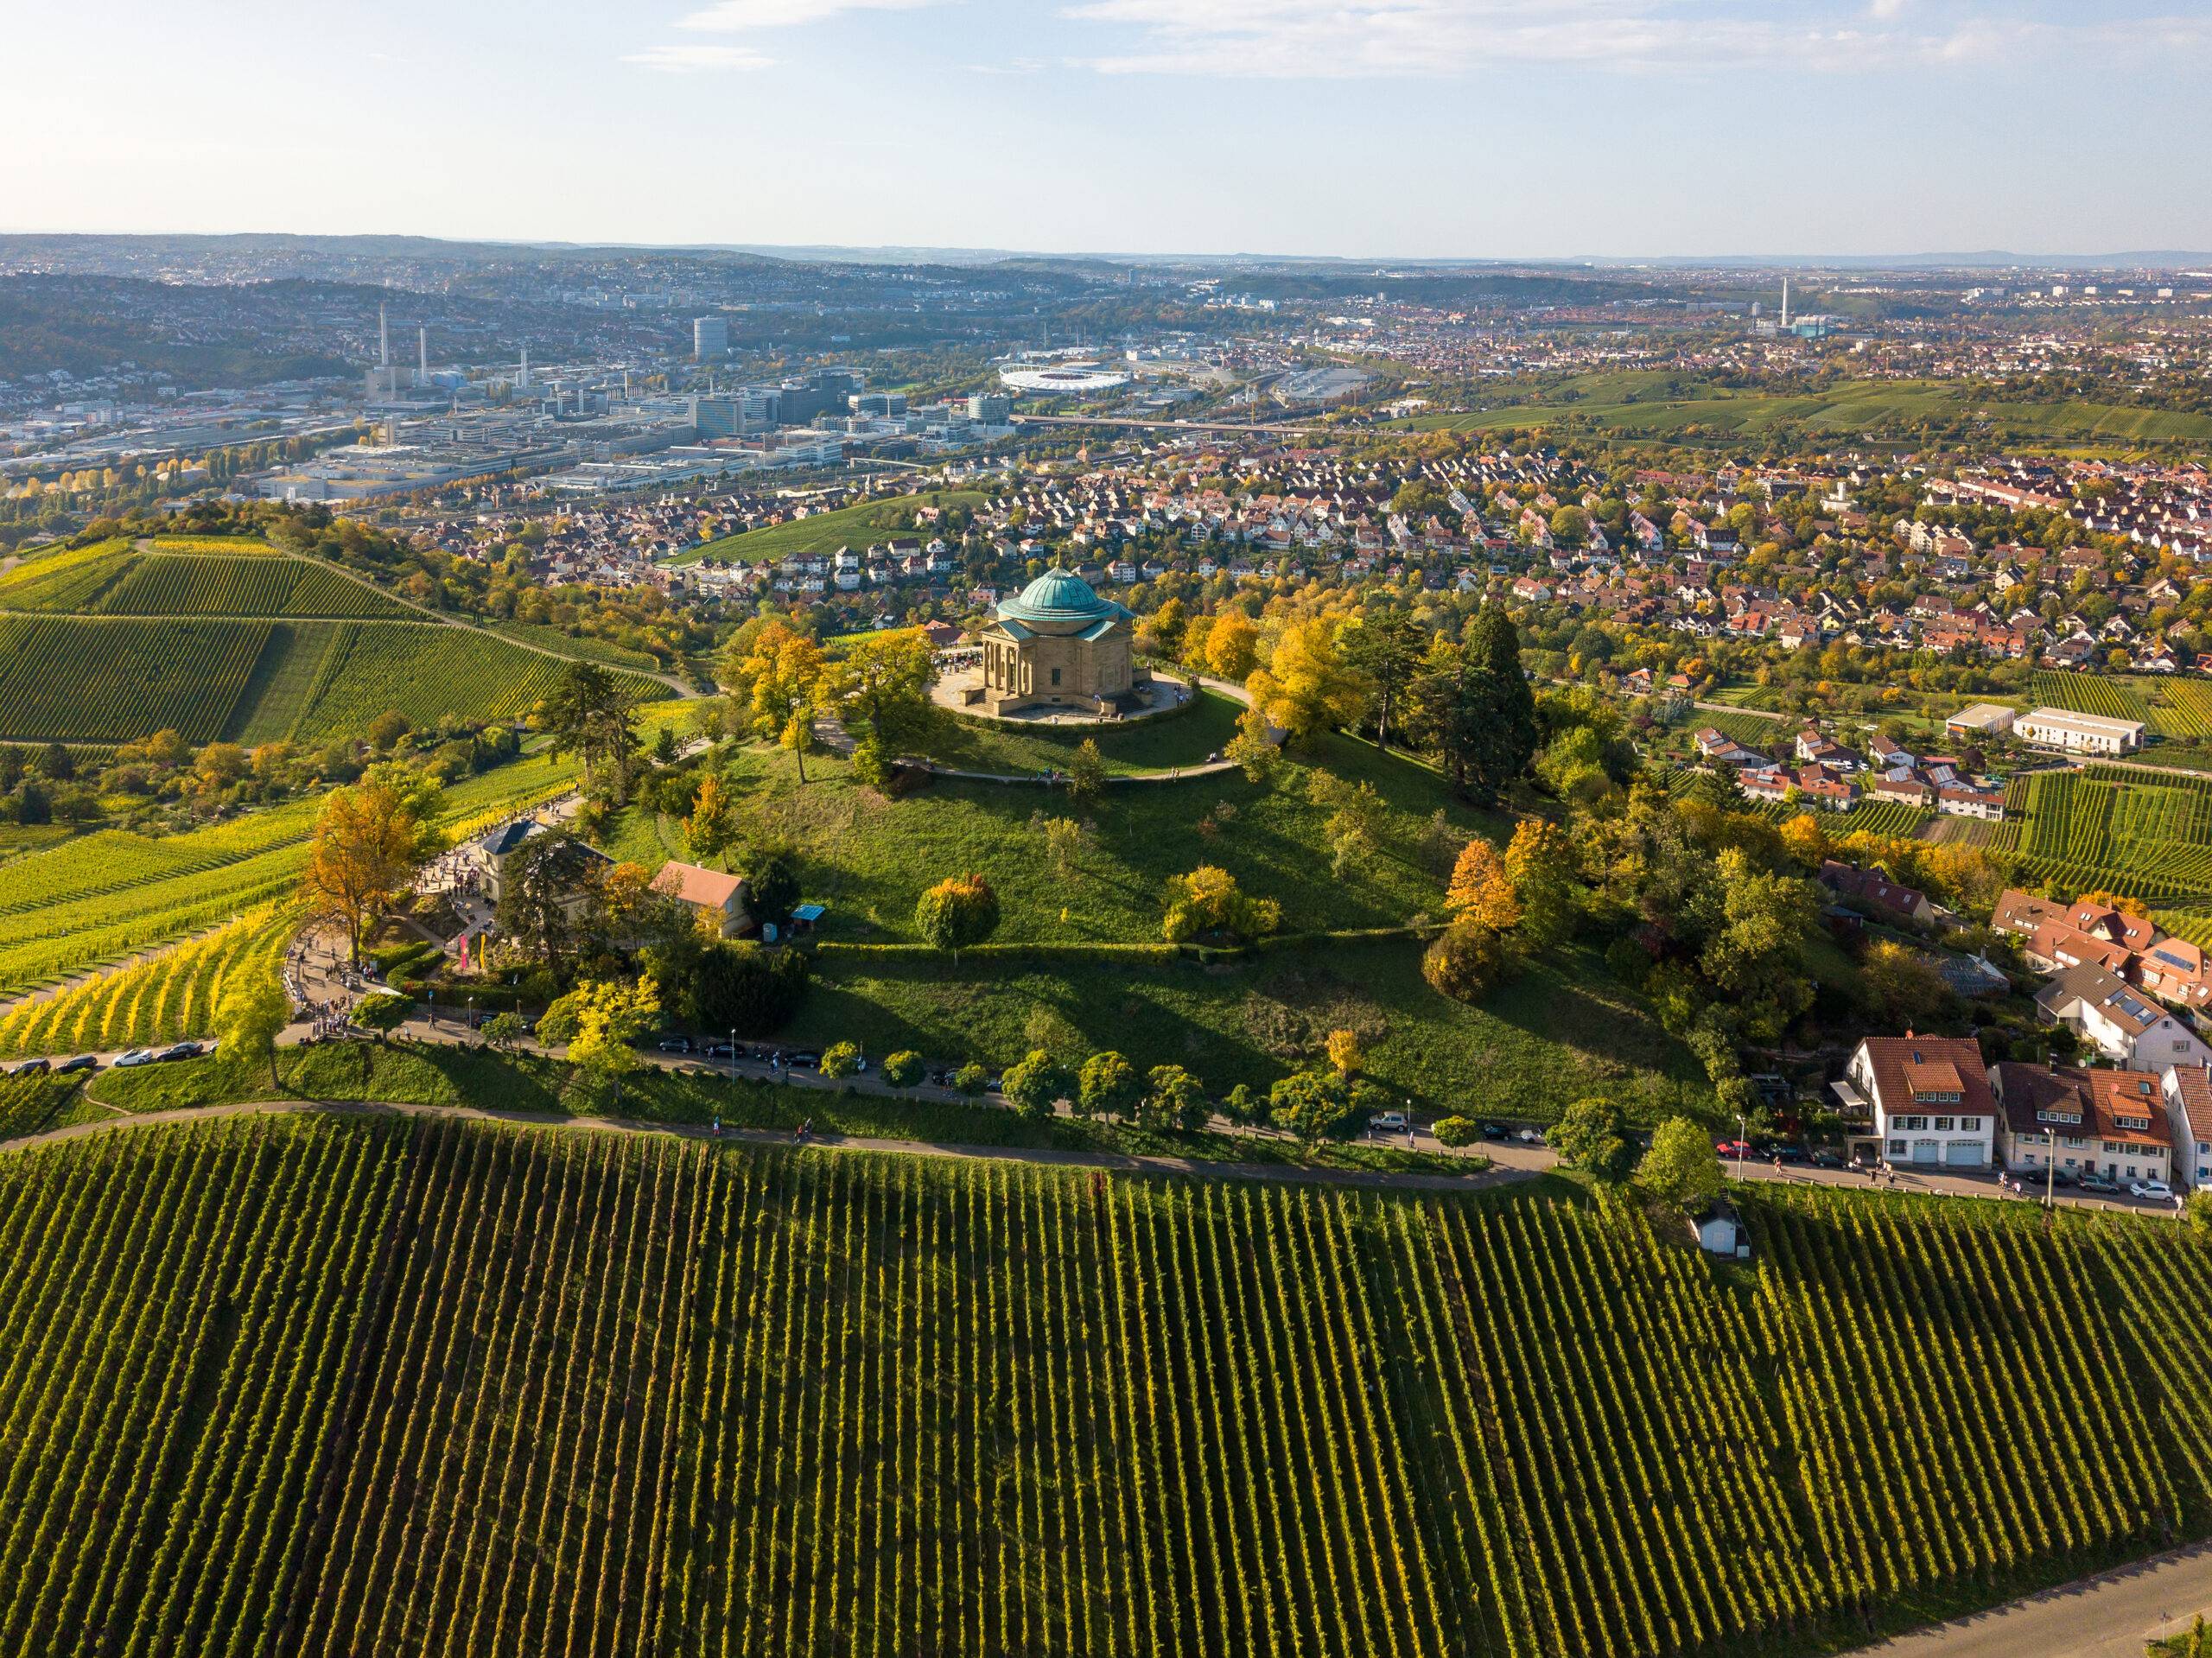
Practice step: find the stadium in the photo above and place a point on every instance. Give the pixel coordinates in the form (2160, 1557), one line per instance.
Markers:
(1067, 380)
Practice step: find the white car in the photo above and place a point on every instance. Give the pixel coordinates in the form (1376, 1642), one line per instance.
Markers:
(2156, 1189)
(1388, 1122)
(136, 1057)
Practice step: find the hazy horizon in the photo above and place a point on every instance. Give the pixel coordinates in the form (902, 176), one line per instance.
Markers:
(1362, 129)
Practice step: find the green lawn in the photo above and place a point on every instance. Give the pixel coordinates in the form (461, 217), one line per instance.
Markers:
(1567, 1030)
(826, 532)
(1185, 739)
(869, 858)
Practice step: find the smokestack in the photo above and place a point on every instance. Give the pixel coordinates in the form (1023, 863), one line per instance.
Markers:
(423, 355)
(523, 383)
(383, 341)
(1785, 304)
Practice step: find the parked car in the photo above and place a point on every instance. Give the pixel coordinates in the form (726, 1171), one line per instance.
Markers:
(1529, 1137)
(82, 1062)
(30, 1067)
(717, 1050)
(2095, 1181)
(2156, 1190)
(136, 1057)
(675, 1045)
(181, 1051)
(1493, 1130)
(1388, 1122)
(803, 1061)
(2030, 1179)
(1825, 1159)
(1791, 1155)
(1733, 1147)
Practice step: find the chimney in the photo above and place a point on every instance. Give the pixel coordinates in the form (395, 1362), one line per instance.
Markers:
(423, 355)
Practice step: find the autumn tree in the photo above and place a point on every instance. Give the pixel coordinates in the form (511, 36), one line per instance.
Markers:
(1034, 1084)
(1306, 686)
(1682, 1168)
(1173, 1099)
(881, 684)
(1541, 864)
(367, 841)
(1208, 903)
(601, 1020)
(1481, 891)
(1225, 645)
(713, 825)
(782, 678)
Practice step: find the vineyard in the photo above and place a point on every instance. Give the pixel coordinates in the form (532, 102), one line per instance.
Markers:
(101, 897)
(369, 1388)
(172, 996)
(263, 585)
(2139, 835)
(31, 1105)
(233, 640)
(2088, 694)
(1773, 737)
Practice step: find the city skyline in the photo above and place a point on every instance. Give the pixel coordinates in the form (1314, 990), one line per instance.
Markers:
(1508, 128)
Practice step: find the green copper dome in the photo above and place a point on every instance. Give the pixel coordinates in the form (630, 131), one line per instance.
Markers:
(1059, 595)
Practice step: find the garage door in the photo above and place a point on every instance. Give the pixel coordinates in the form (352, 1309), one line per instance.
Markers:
(1926, 1151)
(1967, 1152)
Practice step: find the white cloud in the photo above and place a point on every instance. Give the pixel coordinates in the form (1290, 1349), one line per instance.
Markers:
(697, 60)
(1011, 66)
(784, 14)
(1349, 39)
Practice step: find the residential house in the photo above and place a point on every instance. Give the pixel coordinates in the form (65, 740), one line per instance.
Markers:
(2120, 1021)
(1875, 891)
(1930, 1099)
(718, 900)
(2188, 1093)
(2110, 1122)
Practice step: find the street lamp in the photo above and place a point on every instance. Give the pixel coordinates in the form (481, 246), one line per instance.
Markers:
(1741, 1125)
(733, 1054)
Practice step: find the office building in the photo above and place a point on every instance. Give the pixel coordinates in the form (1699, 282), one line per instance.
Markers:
(710, 338)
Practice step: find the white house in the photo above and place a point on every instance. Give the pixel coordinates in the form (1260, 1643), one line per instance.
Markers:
(1931, 1099)
(2126, 1026)
(2079, 734)
(2189, 1121)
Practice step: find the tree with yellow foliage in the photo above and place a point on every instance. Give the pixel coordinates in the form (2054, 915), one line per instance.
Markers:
(1481, 891)
(1306, 686)
(1543, 867)
(1224, 646)
(365, 845)
(783, 681)
(1346, 1053)
(1805, 841)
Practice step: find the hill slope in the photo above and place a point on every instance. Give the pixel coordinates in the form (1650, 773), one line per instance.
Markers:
(418, 1386)
(233, 640)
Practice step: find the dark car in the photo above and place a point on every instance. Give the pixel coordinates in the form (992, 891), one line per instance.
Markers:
(180, 1051)
(1825, 1159)
(675, 1045)
(30, 1067)
(803, 1061)
(718, 1051)
(1493, 1131)
(82, 1062)
(1791, 1155)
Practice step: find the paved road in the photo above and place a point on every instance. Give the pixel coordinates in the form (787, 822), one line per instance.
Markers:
(2111, 1616)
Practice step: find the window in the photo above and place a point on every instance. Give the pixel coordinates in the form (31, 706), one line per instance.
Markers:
(1899, 1147)
(1942, 1124)
(1970, 1125)
(1056, 675)
(1912, 1125)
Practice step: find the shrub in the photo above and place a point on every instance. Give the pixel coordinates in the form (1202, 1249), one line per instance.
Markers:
(1456, 1132)
(1467, 961)
(1208, 903)
(742, 987)
(956, 912)
(903, 1069)
(840, 1059)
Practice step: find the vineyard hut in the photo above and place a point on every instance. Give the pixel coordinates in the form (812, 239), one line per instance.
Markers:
(1720, 1231)
(1057, 644)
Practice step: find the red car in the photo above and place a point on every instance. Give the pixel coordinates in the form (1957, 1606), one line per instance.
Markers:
(1732, 1148)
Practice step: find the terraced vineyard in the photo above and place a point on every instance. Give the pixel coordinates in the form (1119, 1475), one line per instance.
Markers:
(31, 1105)
(164, 1000)
(234, 640)
(105, 896)
(2088, 694)
(1774, 737)
(116, 680)
(2137, 834)
(417, 1387)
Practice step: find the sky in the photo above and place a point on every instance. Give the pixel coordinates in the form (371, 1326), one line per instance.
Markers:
(1407, 129)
